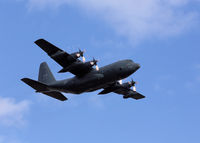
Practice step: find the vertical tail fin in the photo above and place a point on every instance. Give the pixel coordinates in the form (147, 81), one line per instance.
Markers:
(45, 74)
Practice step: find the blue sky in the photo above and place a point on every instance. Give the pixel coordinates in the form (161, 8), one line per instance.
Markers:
(163, 36)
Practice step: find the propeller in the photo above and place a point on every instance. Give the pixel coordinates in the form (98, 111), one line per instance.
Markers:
(94, 63)
(81, 54)
(132, 83)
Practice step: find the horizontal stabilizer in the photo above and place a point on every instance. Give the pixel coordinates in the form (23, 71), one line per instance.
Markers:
(40, 87)
(57, 95)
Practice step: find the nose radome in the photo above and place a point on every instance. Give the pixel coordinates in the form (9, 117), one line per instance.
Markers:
(138, 65)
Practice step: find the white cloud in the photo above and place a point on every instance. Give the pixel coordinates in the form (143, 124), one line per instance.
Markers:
(137, 19)
(12, 112)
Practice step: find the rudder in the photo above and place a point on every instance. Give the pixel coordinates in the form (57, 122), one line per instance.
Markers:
(45, 74)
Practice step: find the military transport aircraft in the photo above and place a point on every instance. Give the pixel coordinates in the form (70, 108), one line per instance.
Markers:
(86, 79)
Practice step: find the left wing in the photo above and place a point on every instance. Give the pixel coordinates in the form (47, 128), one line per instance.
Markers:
(61, 57)
(123, 89)
(69, 62)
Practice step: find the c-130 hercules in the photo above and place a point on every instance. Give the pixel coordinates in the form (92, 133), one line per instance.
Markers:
(86, 79)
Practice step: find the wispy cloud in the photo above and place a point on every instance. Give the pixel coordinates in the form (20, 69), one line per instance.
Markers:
(95, 101)
(9, 139)
(47, 3)
(137, 19)
(193, 82)
(161, 85)
(12, 112)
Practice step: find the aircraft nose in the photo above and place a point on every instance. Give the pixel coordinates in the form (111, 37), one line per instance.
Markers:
(130, 68)
(137, 65)
(133, 66)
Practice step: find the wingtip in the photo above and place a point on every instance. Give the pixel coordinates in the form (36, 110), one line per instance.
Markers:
(24, 79)
(99, 93)
(65, 99)
(37, 41)
(142, 97)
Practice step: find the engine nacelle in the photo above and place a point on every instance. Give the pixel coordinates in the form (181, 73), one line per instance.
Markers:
(78, 54)
(129, 84)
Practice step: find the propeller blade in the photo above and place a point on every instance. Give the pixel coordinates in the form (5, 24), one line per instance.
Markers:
(95, 61)
(133, 83)
(81, 54)
(134, 88)
(83, 58)
(97, 67)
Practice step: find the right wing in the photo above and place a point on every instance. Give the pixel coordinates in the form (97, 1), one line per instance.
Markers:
(128, 93)
(123, 90)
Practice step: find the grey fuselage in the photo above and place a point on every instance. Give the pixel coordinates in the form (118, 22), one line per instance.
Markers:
(95, 80)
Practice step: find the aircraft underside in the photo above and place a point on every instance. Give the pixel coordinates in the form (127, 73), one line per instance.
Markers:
(86, 79)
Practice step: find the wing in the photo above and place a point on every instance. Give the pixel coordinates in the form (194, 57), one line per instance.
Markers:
(63, 58)
(120, 89)
(128, 93)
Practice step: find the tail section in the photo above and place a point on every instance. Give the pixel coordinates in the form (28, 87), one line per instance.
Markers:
(45, 74)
